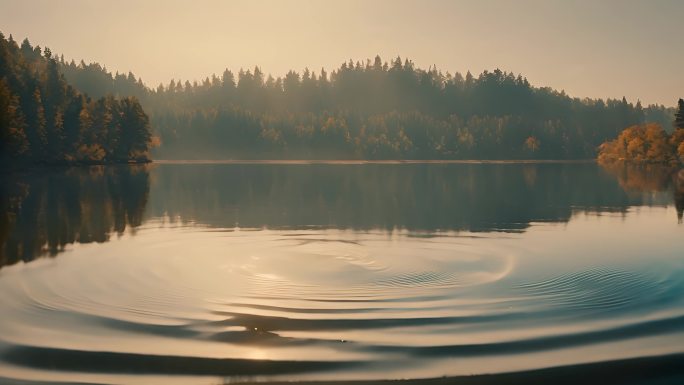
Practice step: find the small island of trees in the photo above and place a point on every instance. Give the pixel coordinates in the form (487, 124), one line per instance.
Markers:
(647, 143)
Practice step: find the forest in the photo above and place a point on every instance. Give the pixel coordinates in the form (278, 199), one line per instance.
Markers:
(54, 111)
(371, 110)
(44, 120)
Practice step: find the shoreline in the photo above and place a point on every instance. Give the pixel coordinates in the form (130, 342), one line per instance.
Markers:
(64, 165)
(48, 166)
(365, 161)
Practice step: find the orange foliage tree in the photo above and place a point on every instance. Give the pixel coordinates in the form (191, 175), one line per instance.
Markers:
(647, 143)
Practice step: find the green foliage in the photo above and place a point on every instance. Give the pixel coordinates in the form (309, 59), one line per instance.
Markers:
(372, 110)
(369, 110)
(45, 120)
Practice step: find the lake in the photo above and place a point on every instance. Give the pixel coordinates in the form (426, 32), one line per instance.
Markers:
(215, 273)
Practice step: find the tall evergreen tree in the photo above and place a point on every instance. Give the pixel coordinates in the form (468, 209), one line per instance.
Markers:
(135, 137)
(679, 115)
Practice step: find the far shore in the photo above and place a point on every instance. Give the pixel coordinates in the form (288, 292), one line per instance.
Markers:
(367, 161)
(62, 165)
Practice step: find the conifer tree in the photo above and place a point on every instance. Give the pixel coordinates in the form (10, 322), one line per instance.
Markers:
(679, 115)
(45, 120)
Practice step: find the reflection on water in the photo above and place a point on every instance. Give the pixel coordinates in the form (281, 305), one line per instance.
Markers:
(651, 178)
(425, 197)
(295, 272)
(42, 212)
(45, 211)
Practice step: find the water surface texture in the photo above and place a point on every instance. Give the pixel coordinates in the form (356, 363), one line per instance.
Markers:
(211, 273)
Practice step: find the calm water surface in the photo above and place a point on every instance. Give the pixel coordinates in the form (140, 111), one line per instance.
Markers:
(210, 273)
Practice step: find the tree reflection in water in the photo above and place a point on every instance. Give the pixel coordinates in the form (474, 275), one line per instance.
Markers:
(651, 178)
(44, 211)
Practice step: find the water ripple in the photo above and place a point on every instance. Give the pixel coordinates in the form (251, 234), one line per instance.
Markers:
(272, 303)
(598, 288)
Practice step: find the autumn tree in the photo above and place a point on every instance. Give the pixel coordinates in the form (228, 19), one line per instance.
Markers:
(640, 144)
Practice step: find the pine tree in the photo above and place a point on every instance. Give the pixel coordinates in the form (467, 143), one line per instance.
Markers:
(44, 120)
(36, 133)
(679, 115)
(134, 140)
(56, 136)
(72, 125)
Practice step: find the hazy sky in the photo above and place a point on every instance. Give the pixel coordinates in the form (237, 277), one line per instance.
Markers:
(595, 48)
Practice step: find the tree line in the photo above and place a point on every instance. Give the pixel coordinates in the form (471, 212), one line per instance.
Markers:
(371, 110)
(44, 120)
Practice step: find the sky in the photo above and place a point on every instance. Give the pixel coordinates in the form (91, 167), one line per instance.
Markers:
(589, 48)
